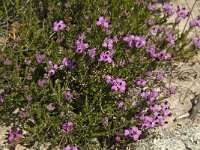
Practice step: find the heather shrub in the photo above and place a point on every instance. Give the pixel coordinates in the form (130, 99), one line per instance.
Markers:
(82, 74)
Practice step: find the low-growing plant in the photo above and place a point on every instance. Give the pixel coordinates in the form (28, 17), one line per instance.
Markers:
(81, 74)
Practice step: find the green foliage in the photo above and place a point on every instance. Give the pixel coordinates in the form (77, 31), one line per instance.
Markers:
(27, 26)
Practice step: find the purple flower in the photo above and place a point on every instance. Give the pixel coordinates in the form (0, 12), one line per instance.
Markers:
(118, 85)
(133, 133)
(126, 132)
(50, 63)
(109, 79)
(115, 39)
(23, 114)
(68, 63)
(159, 76)
(55, 66)
(39, 58)
(68, 96)
(151, 6)
(102, 22)
(150, 96)
(140, 41)
(195, 22)
(159, 120)
(163, 55)
(108, 43)
(148, 122)
(133, 103)
(50, 107)
(120, 105)
(154, 108)
(41, 83)
(92, 53)
(150, 22)
(68, 147)
(67, 127)
(51, 71)
(196, 42)
(168, 8)
(105, 123)
(129, 40)
(149, 73)
(58, 26)
(166, 112)
(7, 62)
(172, 90)
(122, 62)
(170, 39)
(74, 148)
(14, 134)
(81, 46)
(181, 14)
(140, 82)
(118, 138)
(151, 50)
(156, 29)
(106, 57)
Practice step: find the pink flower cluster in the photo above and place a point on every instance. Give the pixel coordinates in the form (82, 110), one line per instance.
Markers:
(70, 64)
(105, 123)
(159, 112)
(140, 82)
(108, 43)
(67, 127)
(68, 147)
(41, 83)
(181, 14)
(7, 61)
(92, 52)
(102, 22)
(52, 68)
(59, 26)
(129, 39)
(150, 96)
(14, 134)
(118, 85)
(39, 58)
(196, 42)
(195, 22)
(50, 107)
(133, 133)
(106, 57)
(168, 8)
(151, 6)
(162, 55)
(81, 46)
(156, 29)
(136, 41)
(68, 96)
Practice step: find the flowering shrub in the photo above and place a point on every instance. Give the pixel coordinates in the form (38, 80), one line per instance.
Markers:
(81, 74)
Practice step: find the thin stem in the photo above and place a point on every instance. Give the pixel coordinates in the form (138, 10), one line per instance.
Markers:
(189, 16)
